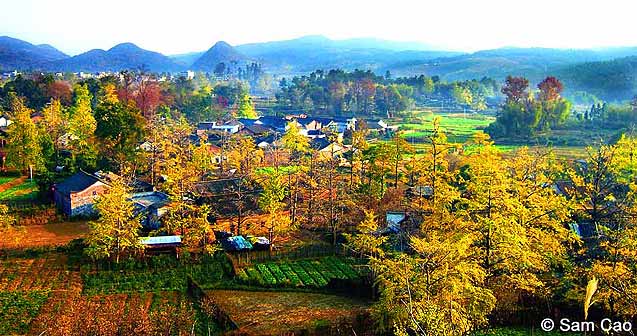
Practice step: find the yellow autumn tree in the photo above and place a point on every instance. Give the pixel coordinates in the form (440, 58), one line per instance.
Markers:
(294, 141)
(270, 201)
(607, 197)
(116, 231)
(517, 218)
(23, 147)
(82, 126)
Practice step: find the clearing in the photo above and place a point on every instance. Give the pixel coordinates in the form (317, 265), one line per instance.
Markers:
(55, 234)
(267, 313)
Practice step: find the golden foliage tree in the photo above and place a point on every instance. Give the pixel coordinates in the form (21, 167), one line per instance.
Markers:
(23, 146)
(116, 231)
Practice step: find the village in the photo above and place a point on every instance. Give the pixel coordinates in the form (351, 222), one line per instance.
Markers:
(257, 168)
(74, 196)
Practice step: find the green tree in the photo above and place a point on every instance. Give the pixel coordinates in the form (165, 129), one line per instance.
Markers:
(120, 128)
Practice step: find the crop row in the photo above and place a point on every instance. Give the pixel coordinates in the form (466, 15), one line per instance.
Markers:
(17, 309)
(171, 279)
(310, 273)
(159, 313)
(47, 273)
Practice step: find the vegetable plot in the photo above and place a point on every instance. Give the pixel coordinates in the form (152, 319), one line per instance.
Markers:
(303, 273)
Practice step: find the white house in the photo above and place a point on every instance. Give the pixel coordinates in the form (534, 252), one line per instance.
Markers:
(4, 121)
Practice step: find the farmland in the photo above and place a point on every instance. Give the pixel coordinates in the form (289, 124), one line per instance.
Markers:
(303, 273)
(17, 309)
(158, 274)
(24, 191)
(266, 313)
(459, 128)
(46, 290)
(119, 314)
(34, 236)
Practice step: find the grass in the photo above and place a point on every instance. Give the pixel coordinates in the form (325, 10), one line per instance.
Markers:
(282, 170)
(22, 192)
(458, 127)
(274, 313)
(7, 179)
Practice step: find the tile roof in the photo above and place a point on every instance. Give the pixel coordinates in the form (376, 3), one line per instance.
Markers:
(77, 182)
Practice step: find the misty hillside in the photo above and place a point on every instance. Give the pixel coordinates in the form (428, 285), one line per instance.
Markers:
(310, 53)
(608, 80)
(533, 63)
(221, 52)
(608, 73)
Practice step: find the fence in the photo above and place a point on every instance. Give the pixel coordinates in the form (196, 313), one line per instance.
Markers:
(210, 306)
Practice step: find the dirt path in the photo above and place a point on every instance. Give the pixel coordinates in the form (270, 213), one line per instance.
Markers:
(44, 235)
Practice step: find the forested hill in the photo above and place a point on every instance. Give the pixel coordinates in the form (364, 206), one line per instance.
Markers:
(18, 54)
(121, 57)
(608, 80)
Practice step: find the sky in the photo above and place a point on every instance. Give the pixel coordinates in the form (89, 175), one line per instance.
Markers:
(181, 26)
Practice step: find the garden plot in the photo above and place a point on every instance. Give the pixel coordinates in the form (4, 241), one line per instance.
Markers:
(303, 273)
(69, 313)
(18, 308)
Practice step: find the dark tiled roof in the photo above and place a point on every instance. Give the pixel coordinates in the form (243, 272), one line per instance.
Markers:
(319, 143)
(314, 132)
(277, 123)
(207, 125)
(257, 129)
(78, 182)
(246, 122)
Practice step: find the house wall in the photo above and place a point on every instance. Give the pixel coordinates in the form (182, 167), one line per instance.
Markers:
(80, 203)
(63, 202)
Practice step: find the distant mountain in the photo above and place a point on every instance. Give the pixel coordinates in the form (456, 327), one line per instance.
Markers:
(533, 63)
(16, 54)
(609, 80)
(187, 59)
(123, 56)
(221, 52)
(310, 53)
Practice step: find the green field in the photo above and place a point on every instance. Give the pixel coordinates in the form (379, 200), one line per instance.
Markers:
(458, 127)
(22, 192)
(7, 179)
(304, 273)
(17, 309)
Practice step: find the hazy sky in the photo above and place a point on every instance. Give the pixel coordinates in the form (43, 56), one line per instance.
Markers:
(180, 26)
